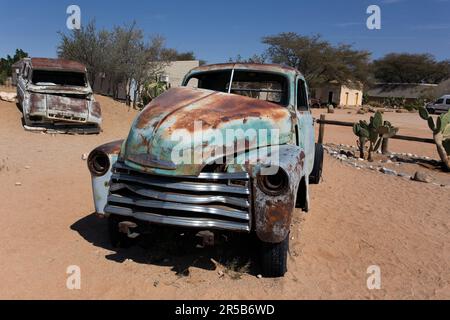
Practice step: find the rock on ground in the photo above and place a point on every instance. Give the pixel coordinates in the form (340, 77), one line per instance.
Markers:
(8, 96)
(422, 177)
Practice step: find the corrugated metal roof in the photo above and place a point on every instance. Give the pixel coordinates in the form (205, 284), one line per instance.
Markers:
(400, 90)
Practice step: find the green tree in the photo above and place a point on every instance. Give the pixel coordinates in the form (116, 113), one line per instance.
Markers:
(318, 60)
(88, 46)
(410, 68)
(121, 53)
(256, 58)
(6, 64)
(175, 55)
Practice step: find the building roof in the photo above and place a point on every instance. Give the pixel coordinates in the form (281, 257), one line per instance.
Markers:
(400, 90)
(244, 66)
(57, 64)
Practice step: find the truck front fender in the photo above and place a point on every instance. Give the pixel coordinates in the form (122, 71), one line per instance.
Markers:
(273, 212)
(100, 182)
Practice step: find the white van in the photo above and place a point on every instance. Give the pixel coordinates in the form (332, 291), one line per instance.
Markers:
(441, 105)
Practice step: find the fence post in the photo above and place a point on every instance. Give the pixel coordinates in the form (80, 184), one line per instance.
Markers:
(385, 146)
(321, 129)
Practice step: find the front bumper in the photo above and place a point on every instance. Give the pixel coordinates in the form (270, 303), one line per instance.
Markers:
(63, 128)
(68, 114)
(209, 201)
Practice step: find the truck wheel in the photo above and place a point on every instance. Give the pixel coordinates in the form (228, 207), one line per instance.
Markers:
(316, 174)
(274, 258)
(117, 238)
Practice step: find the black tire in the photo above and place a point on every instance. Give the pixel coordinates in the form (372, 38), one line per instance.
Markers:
(274, 258)
(316, 174)
(116, 238)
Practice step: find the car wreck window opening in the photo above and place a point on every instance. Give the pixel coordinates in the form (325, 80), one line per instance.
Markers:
(25, 72)
(22, 72)
(266, 86)
(262, 85)
(62, 78)
(211, 80)
(302, 101)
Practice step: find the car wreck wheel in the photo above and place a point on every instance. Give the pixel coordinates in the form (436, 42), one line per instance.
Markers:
(118, 239)
(274, 258)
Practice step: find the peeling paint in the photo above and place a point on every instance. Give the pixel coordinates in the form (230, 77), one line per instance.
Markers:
(45, 105)
(144, 164)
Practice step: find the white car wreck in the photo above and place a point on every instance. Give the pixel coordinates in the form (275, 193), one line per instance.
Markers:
(55, 94)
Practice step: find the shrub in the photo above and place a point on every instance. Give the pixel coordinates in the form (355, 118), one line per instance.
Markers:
(3, 77)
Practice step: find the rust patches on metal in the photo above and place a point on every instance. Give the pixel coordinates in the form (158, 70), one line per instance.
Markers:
(96, 111)
(301, 159)
(71, 106)
(246, 66)
(167, 103)
(145, 142)
(220, 108)
(273, 213)
(57, 65)
(67, 104)
(274, 224)
(37, 103)
(111, 147)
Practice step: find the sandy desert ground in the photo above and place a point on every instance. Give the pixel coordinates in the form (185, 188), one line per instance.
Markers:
(358, 218)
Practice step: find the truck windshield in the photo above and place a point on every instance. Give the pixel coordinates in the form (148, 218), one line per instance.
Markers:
(258, 85)
(61, 78)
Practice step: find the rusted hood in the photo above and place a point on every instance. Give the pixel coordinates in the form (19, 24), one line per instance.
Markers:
(55, 89)
(171, 120)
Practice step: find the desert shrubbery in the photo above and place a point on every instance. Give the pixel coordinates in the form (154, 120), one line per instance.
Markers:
(3, 77)
(441, 133)
(373, 132)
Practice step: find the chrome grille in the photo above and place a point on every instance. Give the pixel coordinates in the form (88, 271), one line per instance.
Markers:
(211, 200)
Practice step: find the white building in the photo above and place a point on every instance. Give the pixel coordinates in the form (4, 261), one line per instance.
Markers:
(338, 94)
(176, 71)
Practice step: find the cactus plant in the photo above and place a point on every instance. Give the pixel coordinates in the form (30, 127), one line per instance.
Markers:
(373, 132)
(361, 130)
(151, 90)
(441, 134)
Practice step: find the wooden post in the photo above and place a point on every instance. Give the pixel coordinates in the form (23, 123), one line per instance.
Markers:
(385, 146)
(321, 129)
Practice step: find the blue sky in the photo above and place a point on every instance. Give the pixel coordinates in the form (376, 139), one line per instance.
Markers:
(218, 30)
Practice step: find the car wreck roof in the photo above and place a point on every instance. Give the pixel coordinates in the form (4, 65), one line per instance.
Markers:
(247, 66)
(57, 64)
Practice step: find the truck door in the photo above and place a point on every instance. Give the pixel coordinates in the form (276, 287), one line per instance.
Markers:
(447, 105)
(305, 133)
(22, 83)
(439, 105)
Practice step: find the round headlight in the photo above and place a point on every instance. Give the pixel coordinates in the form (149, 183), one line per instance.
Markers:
(275, 184)
(98, 163)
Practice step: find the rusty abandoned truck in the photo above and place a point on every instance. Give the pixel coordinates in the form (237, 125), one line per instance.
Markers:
(243, 186)
(55, 94)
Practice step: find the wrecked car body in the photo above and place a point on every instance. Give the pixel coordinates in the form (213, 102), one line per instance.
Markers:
(55, 94)
(232, 150)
